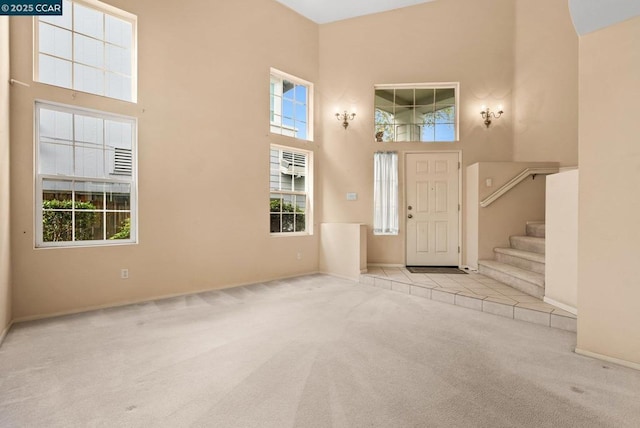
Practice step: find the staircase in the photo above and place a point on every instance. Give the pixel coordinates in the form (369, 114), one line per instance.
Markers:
(520, 266)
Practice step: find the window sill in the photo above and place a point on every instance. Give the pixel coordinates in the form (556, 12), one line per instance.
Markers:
(84, 244)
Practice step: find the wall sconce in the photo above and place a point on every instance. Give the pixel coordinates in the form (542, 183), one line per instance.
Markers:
(487, 114)
(345, 118)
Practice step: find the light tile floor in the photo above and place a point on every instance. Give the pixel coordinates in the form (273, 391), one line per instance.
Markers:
(473, 291)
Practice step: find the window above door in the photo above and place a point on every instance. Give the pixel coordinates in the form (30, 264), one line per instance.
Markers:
(426, 112)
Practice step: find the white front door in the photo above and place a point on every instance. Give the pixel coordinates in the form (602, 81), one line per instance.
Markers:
(432, 210)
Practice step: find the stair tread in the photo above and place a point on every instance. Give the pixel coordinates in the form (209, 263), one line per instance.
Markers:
(529, 238)
(527, 255)
(523, 274)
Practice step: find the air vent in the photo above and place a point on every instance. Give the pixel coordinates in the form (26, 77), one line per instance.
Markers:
(123, 162)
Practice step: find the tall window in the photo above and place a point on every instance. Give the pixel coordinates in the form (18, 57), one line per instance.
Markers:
(290, 202)
(86, 177)
(385, 193)
(416, 112)
(291, 99)
(91, 47)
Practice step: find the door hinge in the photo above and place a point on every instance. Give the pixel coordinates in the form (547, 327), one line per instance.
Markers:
(458, 249)
(458, 207)
(459, 165)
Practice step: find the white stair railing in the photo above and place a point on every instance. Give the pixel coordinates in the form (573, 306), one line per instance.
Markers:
(514, 182)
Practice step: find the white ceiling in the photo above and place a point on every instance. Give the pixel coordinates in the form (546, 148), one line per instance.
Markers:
(325, 11)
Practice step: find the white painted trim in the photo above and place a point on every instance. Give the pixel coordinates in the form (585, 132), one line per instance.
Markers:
(618, 361)
(384, 265)
(4, 333)
(560, 305)
(514, 182)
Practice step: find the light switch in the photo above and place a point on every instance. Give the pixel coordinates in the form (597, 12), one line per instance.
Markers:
(489, 182)
(352, 196)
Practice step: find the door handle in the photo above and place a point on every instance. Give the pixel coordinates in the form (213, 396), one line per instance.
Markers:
(410, 216)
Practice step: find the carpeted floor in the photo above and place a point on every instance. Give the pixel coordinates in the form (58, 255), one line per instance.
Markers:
(313, 351)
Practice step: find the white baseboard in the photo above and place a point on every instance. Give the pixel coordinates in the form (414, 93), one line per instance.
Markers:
(561, 305)
(618, 361)
(384, 265)
(150, 299)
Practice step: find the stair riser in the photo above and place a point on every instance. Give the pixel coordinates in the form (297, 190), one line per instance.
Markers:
(536, 229)
(520, 243)
(521, 263)
(517, 283)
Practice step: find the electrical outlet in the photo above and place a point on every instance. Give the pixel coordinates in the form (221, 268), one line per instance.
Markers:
(299, 256)
(124, 273)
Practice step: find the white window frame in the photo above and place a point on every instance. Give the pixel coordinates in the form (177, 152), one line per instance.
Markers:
(433, 85)
(308, 193)
(132, 181)
(275, 126)
(106, 9)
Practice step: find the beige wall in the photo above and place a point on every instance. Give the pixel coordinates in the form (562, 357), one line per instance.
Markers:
(561, 264)
(203, 159)
(5, 266)
(343, 249)
(609, 291)
(432, 42)
(545, 90)
(508, 215)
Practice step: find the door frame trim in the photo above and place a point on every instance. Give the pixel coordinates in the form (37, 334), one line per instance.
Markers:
(404, 195)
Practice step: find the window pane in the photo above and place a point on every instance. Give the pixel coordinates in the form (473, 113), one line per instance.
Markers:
(89, 196)
(301, 112)
(88, 51)
(89, 152)
(54, 41)
(118, 196)
(63, 20)
(445, 132)
(57, 190)
(118, 225)
(424, 97)
(118, 60)
(56, 158)
(56, 211)
(275, 223)
(445, 96)
(445, 115)
(301, 94)
(384, 97)
(118, 32)
(88, 79)
(88, 21)
(287, 108)
(404, 97)
(57, 226)
(428, 132)
(403, 115)
(54, 71)
(89, 226)
(301, 130)
(288, 92)
(288, 222)
(118, 86)
(299, 223)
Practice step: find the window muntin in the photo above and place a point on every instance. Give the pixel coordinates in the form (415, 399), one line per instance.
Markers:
(85, 183)
(416, 112)
(289, 205)
(290, 101)
(89, 48)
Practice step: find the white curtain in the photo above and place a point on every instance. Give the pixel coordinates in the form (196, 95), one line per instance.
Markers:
(385, 193)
